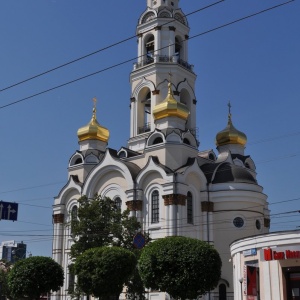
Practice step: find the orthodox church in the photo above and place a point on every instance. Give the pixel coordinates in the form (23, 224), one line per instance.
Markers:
(161, 176)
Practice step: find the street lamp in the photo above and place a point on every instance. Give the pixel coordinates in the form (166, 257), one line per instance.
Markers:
(241, 282)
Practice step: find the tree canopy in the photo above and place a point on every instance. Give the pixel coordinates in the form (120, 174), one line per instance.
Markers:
(35, 276)
(100, 223)
(183, 267)
(103, 271)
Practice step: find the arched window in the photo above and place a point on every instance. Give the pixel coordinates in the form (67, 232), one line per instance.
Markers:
(158, 140)
(177, 47)
(74, 217)
(118, 203)
(78, 161)
(147, 111)
(189, 207)
(222, 292)
(186, 141)
(150, 50)
(155, 207)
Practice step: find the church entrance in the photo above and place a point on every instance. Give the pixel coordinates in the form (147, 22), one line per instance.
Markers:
(292, 276)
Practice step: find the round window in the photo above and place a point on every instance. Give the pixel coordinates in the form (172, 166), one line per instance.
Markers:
(238, 222)
(258, 225)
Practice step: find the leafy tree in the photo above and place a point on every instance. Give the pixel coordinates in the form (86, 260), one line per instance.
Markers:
(35, 276)
(103, 271)
(100, 223)
(4, 270)
(183, 267)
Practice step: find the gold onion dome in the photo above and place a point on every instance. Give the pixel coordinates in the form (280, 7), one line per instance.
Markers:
(93, 130)
(170, 108)
(230, 135)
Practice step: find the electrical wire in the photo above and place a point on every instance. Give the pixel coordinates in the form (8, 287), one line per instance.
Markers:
(135, 58)
(100, 50)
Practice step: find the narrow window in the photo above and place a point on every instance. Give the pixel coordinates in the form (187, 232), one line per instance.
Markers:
(118, 203)
(189, 207)
(222, 292)
(74, 217)
(155, 207)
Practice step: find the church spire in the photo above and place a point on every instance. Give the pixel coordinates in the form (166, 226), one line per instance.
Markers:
(94, 132)
(230, 137)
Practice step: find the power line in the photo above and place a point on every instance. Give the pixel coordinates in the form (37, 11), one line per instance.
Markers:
(100, 50)
(135, 58)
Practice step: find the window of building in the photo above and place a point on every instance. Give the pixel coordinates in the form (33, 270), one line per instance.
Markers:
(118, 203)
(189, 206)
(155, 207)
(74, 217)
(238, 222)
(258, 224)
(222, 292)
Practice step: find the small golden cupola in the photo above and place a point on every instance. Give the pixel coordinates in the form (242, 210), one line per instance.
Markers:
(93, 130)
(170, 108)
(230, 135)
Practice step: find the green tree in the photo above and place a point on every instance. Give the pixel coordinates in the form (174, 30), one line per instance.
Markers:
(4, 270)
(35, 276)
(103, 271)
(183, 267)
(100, 223)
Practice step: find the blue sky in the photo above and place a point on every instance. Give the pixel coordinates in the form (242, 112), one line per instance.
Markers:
(254, 63)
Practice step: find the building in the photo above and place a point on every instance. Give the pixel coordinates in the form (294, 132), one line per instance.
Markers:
(12, 251)
(267, 266)
(160, 176)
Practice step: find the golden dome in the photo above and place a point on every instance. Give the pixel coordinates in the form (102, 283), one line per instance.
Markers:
(230, 135)
(93, 130)
(170, 108)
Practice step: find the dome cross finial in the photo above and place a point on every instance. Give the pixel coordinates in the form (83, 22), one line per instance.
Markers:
(94, 108)
(229, 111)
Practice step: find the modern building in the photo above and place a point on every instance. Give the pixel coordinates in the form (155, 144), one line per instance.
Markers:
(12, 251)
(161, 176)
(267, 266)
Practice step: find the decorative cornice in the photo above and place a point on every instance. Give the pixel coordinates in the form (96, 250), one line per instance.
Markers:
(174, 199)
(58, 218)
(207, 206)
(157, 28)
(135, 205)
(132, 99)
(186, 37)
(172, 28)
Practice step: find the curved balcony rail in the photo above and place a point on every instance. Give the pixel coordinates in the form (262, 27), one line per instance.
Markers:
(145, 128)
(163, 59)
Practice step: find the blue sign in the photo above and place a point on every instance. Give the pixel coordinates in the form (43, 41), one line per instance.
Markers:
(8, 211)
(139, 240)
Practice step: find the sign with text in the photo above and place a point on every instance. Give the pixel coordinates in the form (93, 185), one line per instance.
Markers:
(8, 211)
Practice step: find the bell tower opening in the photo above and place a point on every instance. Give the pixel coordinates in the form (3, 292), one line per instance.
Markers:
(149, 49)
(144, 111)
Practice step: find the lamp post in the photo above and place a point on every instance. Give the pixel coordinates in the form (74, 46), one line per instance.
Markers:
(241, 282)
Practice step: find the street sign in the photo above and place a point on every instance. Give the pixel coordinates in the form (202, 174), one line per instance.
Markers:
(8, 211)
(139, 240)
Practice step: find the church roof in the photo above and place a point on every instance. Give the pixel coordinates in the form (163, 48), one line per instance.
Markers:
(226, 172)
(230, 135)
(170, 107)
(93, 130)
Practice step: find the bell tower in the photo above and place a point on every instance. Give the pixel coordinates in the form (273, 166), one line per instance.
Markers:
(162, 68)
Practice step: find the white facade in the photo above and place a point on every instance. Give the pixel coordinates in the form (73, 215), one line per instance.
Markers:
(161, 177)
(274, 262)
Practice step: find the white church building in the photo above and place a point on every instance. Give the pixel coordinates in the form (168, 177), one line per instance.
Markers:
(161, 176)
